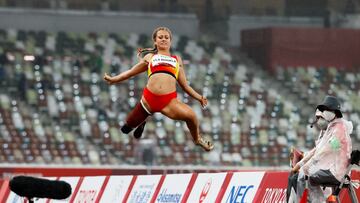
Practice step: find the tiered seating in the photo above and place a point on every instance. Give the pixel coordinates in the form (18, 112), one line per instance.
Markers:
(311, 84)
(56, 109)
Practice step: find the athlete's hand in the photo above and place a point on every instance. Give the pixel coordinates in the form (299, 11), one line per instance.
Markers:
(109, 79)
(203, 101)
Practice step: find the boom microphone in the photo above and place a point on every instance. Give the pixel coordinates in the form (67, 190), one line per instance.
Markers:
(31, 187)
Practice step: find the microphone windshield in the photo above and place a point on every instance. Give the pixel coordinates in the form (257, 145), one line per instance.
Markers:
(31, 187)
(314, 122)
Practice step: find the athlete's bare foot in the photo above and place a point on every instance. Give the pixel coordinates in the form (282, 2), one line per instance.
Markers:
(205, 144)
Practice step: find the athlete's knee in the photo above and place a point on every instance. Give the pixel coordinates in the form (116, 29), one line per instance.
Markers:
(137, 116)
(191, 117)
(191, 114)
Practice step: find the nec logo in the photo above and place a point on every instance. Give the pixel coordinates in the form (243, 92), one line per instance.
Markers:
(238, 193)
(205, 191)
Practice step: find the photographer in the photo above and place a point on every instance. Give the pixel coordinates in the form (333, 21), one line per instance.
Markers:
(327, 162)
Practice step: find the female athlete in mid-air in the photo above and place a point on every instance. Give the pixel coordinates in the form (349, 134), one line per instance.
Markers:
(159, 95)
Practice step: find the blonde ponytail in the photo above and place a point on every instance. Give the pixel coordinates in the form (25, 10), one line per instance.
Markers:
(143, 51)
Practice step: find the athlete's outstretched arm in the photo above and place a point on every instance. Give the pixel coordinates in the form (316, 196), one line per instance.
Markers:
(138, 68)
(186, 87)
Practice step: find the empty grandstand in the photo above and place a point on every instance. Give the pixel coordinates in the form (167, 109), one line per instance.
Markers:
(261, 77)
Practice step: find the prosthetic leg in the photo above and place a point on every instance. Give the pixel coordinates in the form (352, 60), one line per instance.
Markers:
(136, 119)
(139, 130)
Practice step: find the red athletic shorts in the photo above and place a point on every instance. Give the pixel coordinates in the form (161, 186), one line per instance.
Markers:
(158, 102)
